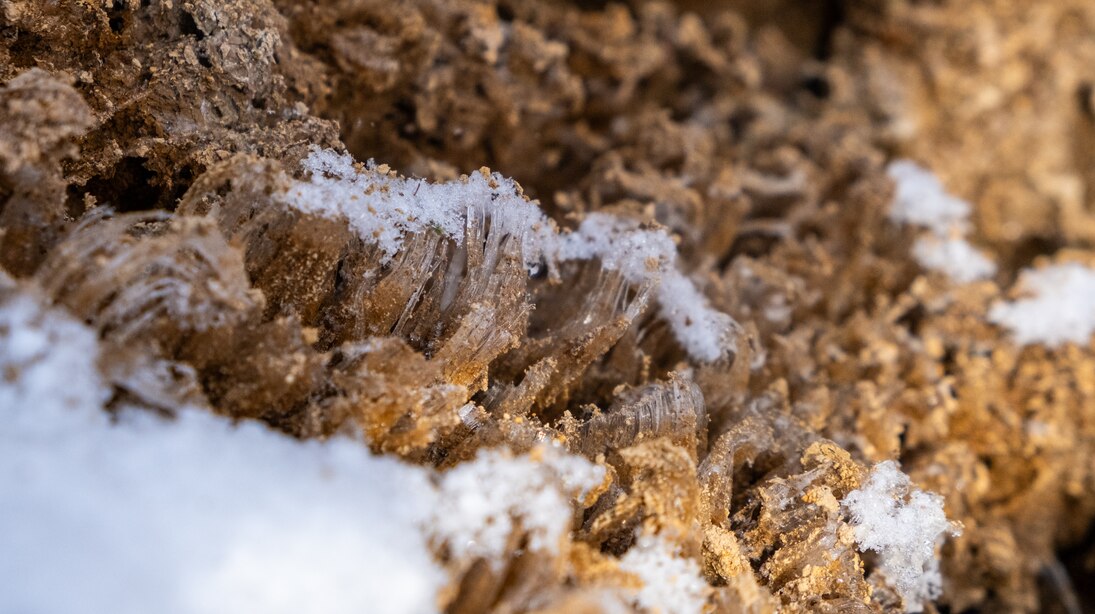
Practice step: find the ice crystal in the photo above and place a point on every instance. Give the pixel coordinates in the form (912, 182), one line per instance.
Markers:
(485, 501)
(904, 525)
(953, 256)
(383, 209)
(921, 200)
(672, 584)
(1058, 306)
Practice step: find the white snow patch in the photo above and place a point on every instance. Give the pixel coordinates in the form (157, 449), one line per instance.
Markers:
(383, 209)
(621, 246)
(904, 525)
(48, 375)
(483, 502)
(195, 515)
(1060, 307)
(921, 200)
(672, 584)
(705, 332)
(953, 256)
(192, 515)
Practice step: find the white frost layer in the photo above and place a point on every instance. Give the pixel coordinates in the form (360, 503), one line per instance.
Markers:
(196, 515)
(953, 256)
(904, 525)
(482, 502)
(672, 584)
(192, 515)
(383, 209)
(1059, 310)
(638, 254)
(41, 387)
(921, 200)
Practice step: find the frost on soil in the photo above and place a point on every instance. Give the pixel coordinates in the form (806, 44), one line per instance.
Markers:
(904, 526)
(140, 514)
(672, 584)
(181, 195)
(384, 208)
(921, 200)
(193, 514)
(1056, 306)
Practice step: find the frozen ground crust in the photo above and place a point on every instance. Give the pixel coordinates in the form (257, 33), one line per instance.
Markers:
(137, 513)
(383, 209)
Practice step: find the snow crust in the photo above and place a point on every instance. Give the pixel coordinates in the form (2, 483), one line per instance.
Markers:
(672, 584)
(191, 515)
(1059, 308)
(482, 502)
(383, 208)
(41, 387)
(953, 256)
(904, 525)
(137, 514)
(921, 200)
(1060, 304)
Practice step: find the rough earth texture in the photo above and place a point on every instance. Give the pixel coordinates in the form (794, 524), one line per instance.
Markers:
(143, 146)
